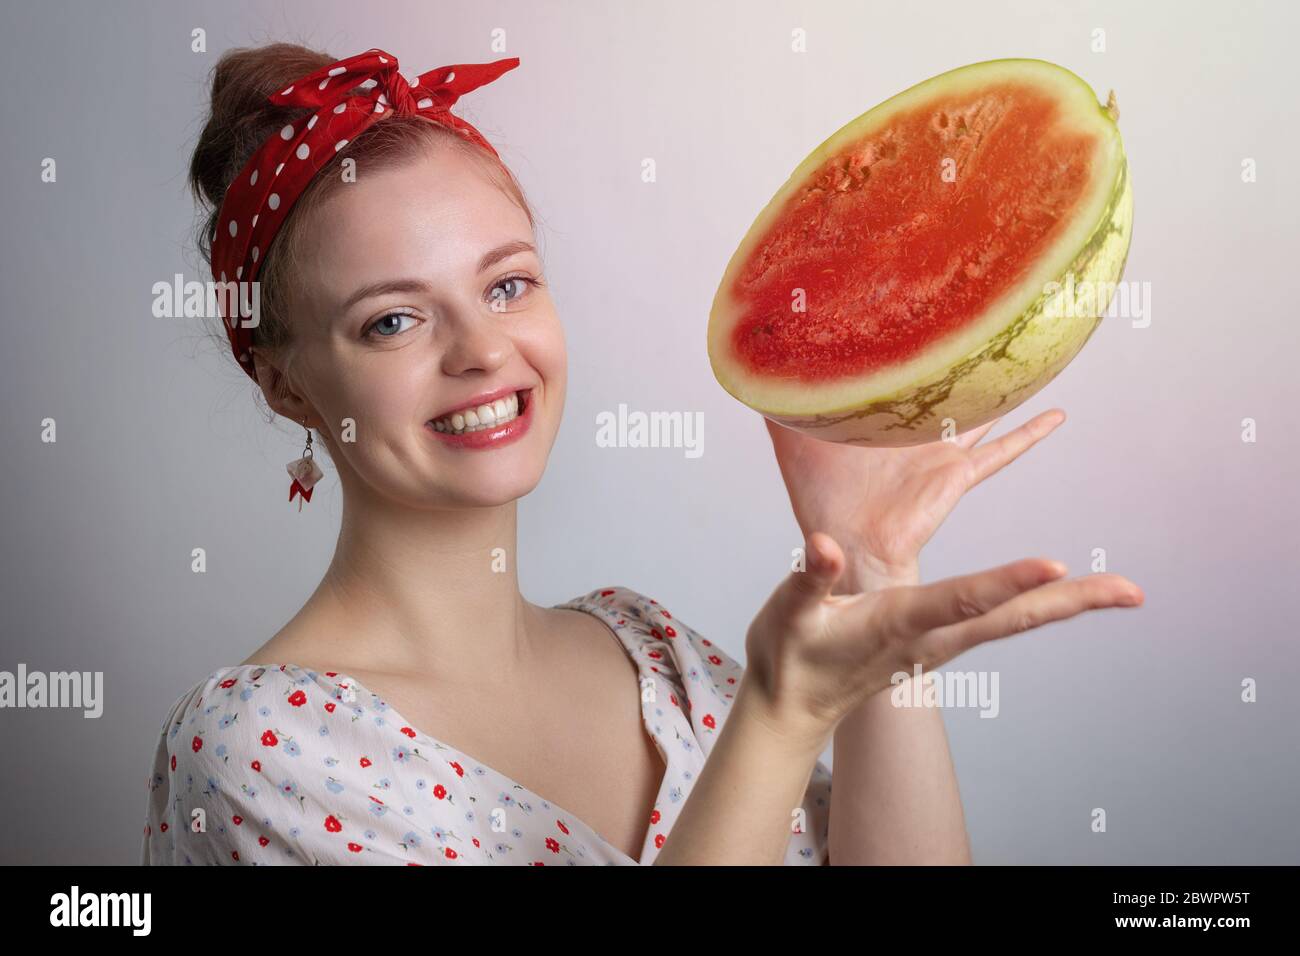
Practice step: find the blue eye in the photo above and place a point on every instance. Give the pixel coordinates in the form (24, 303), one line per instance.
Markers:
(528, 281)
(385, 330)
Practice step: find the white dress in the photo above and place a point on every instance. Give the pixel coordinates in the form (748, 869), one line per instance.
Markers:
(283, 765)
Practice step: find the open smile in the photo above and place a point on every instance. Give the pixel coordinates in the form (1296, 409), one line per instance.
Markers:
(489, 425)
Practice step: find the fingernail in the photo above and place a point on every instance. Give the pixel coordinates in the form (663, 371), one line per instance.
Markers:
(1058, 567)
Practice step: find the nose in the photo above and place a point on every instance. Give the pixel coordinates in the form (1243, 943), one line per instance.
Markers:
(476, 342)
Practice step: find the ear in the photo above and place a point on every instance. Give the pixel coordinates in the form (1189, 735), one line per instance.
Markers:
(279, 391)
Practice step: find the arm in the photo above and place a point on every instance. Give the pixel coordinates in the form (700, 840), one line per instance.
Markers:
(815, 658)
(739, 811)
(895, 798)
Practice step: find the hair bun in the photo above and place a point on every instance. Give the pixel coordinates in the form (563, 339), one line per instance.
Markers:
(241, 117)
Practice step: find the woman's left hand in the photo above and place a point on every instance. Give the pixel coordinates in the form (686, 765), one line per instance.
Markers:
(883, 504)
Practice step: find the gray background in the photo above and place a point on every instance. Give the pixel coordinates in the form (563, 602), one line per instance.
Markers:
(161, 447)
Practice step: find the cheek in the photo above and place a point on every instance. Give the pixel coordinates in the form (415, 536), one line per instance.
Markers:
(543, 346)
(382, 405)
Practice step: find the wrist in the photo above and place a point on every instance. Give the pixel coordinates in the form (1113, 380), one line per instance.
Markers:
(794, 734)
(865, 573)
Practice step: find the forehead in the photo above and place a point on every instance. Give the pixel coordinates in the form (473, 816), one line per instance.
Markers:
(432, 214)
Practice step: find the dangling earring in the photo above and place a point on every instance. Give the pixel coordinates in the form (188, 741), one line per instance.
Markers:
(304, 471)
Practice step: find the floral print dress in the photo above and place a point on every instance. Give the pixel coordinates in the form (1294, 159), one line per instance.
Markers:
(279, 764)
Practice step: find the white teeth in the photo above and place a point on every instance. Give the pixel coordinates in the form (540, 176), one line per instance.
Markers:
(484, 416)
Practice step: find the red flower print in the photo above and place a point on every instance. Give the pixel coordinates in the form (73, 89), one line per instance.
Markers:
(297, 698)
(236, 819)
(228, 683)
(269, 739)
(670, 632)
(173, 761)
(622, 622)
(673, 698)
(365, 761)
(162, 827)
(560, 824)
(330, 706)
(731, 680)
(234, 855)
(657, 633)
(355, 847)
(460, 771)
(706, 642)
(654, 817)
(552, 845)
(331, 673)
(476, 843)
(376, 799)
(537, 863)
(655, 655)
(408, 731)
(709, 722)
(262, 841)
(449, 853)
(197, 743)
(715, 660)
(664, 612)
(332, 824)
(606, 593)
(439, 791)
(257, 766)
(659, 841)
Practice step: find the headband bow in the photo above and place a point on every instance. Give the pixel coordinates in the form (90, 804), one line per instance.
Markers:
(349, 96)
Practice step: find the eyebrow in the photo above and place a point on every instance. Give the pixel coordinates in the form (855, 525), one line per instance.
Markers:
(384, 286)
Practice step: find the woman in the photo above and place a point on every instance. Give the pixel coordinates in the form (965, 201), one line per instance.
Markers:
(417, 708)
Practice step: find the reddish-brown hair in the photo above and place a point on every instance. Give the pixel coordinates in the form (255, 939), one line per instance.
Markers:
(240, 119)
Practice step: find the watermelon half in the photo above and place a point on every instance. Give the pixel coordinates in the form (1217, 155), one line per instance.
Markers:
(934, 263)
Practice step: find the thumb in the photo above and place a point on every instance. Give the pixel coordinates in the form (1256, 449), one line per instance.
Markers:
(826, 562)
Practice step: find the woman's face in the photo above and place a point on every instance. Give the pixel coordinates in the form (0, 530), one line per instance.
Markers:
(393, 312)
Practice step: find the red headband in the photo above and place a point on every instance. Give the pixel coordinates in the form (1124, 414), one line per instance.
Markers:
(259, 199)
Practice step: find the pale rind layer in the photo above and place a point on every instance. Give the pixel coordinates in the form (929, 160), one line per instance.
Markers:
(1022, 340)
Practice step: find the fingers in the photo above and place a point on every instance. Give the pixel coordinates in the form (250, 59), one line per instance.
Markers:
(925, 607)
(989, 459)
(1054, 601)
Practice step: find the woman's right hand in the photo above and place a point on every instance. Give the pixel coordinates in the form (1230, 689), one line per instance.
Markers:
(813, 656)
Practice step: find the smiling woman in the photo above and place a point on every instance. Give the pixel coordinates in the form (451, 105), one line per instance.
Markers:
(407, 302)
(406, 318)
